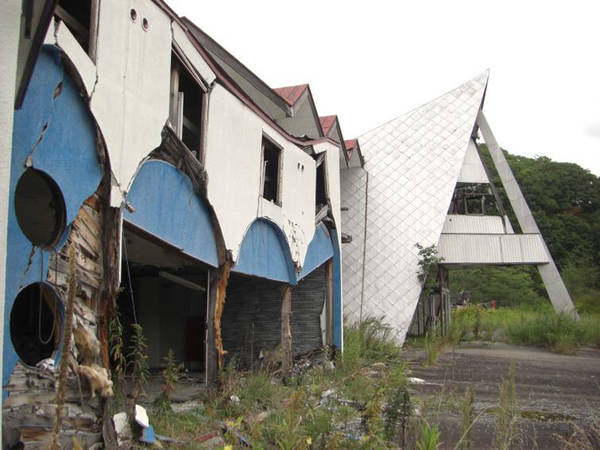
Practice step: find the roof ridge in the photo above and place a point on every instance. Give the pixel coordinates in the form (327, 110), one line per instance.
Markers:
(483, 75)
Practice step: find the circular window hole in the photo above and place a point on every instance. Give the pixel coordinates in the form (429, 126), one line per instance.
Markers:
(40, 208)
(35, 323)
(145, 24)
(133, 14)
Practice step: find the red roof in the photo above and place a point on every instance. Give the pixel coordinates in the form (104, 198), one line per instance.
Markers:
(291, 94)
(326, 123)
(350, 144)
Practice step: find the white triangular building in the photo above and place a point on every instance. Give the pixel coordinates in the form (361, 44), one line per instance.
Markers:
(414, 169)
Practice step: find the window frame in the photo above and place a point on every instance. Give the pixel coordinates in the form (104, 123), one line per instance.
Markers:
(278, 179)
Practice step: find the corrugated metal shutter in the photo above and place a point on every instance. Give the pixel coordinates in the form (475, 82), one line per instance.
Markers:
(308, 299)
(251, 318)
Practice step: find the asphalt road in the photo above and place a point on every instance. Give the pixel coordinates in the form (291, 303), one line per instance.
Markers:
(555, 393)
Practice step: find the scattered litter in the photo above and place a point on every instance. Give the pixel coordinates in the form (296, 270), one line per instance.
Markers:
(327, 393)
(186, 406)
(163, 438)
(234, 399)
(207, 436)
(141, 416)
(415, 380)
(148, 436)
(122, 428)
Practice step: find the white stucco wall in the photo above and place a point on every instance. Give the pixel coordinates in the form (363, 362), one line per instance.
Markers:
(10, 13)
(131, 98)
(332, 165)
(129, 88)
(184, 44)
(233, 163)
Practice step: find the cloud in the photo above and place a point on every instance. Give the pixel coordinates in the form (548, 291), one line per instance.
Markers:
(593, 130)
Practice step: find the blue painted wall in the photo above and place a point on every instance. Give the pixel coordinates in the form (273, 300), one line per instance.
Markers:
(167, 206)
(66, 151)
(319, 250)
(338, 319)
(265, 253)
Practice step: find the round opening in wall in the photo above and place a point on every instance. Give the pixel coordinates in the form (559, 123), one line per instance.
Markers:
(40, 208)
(35, 323)
(133, 14)
(145, 24)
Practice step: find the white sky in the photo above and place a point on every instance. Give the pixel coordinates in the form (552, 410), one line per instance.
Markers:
(369, 61)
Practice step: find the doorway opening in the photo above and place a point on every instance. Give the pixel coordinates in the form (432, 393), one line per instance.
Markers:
(165, 291)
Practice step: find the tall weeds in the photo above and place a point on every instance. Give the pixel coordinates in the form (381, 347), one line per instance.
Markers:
(506, 414)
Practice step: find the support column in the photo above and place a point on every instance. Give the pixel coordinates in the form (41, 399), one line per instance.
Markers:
(329, 303)
(557, 291)
(215, 304)
(286, 330)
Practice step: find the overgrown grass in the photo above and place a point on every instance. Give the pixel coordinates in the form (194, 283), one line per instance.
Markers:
(323, 407)
(537, 326)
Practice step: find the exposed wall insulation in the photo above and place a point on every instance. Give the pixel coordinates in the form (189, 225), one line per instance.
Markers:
(30, 405)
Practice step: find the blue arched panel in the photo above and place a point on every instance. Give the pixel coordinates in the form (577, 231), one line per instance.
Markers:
(55, 132)
(338, 320)
(265, 253)
(167, 206)
(319, 250)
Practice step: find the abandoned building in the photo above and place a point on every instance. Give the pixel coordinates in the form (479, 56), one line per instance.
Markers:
(155, 178)
(423, 182)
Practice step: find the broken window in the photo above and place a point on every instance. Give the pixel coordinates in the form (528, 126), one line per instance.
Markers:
(271, 157)
(186, 106)
(40, 208)
(473, 199)
(35, 323)
(321, 191)
(77, 16)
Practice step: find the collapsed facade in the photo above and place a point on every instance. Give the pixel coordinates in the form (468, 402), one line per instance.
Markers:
(154, 178)
(423, 183)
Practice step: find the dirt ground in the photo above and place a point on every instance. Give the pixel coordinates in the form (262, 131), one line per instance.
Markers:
(555, 393)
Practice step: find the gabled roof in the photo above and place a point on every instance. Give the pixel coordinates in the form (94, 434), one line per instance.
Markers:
(196, 36)
(350, 144)
(413, 163)
(291, 94)
(327, 122)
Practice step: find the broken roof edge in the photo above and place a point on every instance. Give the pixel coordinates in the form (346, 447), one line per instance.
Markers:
(483, 75)
(207, 41)
(335, 120)
(225, 80)
(291, 94)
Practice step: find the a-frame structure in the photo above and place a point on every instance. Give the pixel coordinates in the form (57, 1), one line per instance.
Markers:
(423, 182)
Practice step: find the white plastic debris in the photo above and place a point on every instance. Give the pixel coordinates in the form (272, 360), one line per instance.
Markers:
(141, 416)
(327, 393)
(122, 428)
(415, 380)
(234, 399)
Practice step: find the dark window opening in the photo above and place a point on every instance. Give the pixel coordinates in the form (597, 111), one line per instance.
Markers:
(76, 14)
(473, 199)
(40, 208)
(35, 323)
(186, 106)
(271, 155)
(321, 193)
